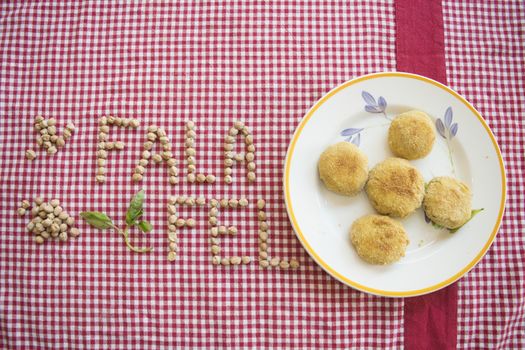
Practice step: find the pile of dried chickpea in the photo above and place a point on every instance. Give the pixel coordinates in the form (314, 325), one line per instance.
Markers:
(49, 220)
(47, 136)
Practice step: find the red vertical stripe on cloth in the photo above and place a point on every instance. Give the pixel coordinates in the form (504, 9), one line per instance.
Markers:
(430, 320)
(420, 43)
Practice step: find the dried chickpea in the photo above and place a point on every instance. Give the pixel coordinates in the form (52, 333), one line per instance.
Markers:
(294, 264)
(261, 203)
(249, 156)
(235, 260)
(157, 158)
(30, 154)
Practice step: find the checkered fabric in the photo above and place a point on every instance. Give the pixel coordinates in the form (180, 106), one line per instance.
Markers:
(213, 62)
(485, 62)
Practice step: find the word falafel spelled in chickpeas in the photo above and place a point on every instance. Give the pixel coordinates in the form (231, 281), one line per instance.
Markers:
(49, 140)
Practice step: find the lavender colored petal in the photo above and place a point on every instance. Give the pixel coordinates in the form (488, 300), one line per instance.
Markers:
(369, 99)
(440, 128)
(351, 131)
(453, 130)
(372, 109)
(382, 103)
(448, 117)
(357, 140)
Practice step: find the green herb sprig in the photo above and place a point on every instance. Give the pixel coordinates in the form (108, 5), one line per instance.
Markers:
(473, 213)
(103, 222)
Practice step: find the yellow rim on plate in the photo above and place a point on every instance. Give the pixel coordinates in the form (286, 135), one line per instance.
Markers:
(307, 245)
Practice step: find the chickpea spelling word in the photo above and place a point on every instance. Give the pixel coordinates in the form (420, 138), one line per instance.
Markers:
(49, 220)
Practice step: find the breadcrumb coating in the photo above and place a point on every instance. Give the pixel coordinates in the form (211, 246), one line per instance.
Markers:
(378, 239)
(411, 135)
(395, 187)
(343, 168)
(448, 202)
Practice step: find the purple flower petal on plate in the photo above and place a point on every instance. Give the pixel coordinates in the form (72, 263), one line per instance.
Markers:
(382, 103)
(357, 140)
(453, 130)
(369, 99)
(372, 109)
(448, 117)
(351, 131)
(440, 128)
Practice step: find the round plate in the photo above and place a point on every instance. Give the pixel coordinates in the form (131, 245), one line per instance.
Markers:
(359, 111)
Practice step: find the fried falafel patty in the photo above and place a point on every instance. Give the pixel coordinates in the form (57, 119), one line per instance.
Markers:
(343, 168)
(378, 239)
(411, 135)
(448, 202)
(395, 187)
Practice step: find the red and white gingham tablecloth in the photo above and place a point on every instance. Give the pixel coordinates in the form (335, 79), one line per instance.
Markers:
(214, 62)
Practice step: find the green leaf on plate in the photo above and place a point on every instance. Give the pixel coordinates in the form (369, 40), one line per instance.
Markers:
(473, 213)
(437, 226)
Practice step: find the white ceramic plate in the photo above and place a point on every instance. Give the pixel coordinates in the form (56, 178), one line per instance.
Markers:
(321, 219)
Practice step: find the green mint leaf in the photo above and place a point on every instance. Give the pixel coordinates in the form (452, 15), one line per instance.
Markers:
(145, 226)
(97, 219)
(439, 227)
(473, 213)
(135, 208)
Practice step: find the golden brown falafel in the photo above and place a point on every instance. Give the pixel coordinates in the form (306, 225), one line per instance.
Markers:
(378, 239)
(447, 202)
(411, 135)
(343, 168)
(395, 187)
